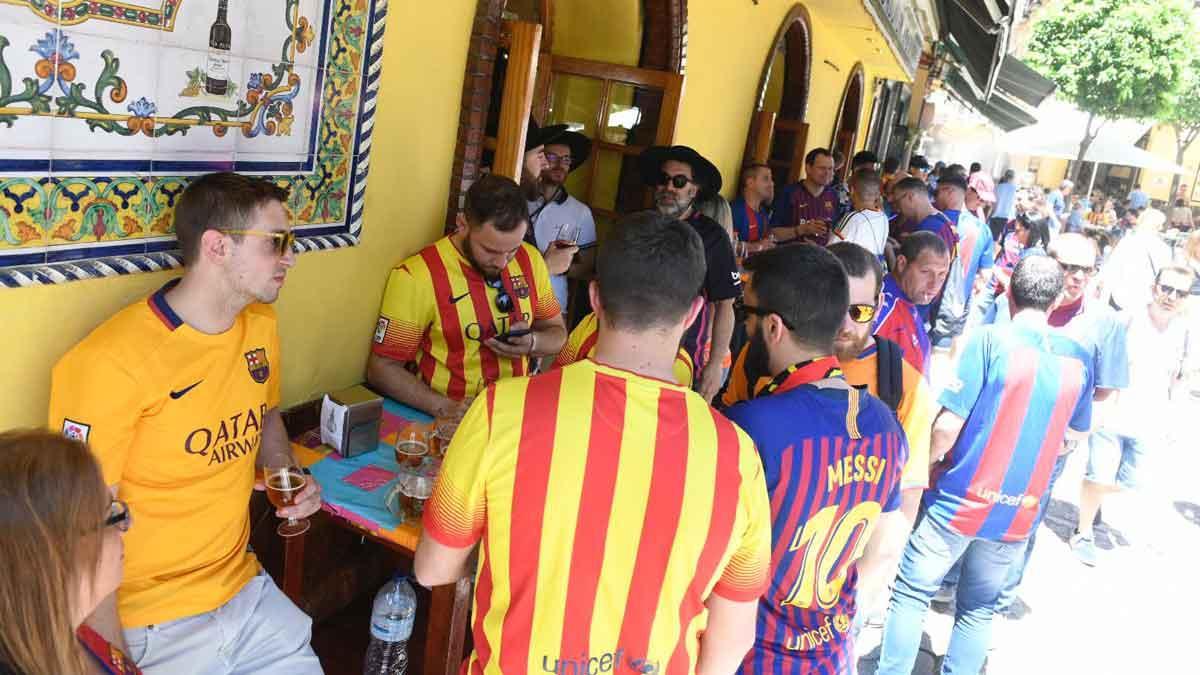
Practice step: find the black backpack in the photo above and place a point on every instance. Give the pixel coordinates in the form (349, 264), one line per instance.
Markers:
(890, 383)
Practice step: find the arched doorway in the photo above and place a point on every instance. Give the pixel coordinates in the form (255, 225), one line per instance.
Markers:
(778, 133)
(662, 47)
(845, 130)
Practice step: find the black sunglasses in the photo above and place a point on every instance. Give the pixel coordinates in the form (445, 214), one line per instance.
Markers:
(119, 516)
(1179, 293)
(763, 312)
(1072, 269)
(678, 181)
(503, 299)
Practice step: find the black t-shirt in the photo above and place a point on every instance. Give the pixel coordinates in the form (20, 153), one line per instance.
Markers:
(722, 281)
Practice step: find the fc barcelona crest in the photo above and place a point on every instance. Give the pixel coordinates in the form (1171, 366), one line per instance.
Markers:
(520, 287)
(256, 363)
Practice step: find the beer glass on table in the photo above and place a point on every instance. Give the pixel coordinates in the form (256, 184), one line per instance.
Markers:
(413, 490)
(411, 449)
(284, 480)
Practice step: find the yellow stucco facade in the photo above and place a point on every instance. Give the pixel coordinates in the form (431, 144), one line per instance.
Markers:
(1157, 184)
(327, 309)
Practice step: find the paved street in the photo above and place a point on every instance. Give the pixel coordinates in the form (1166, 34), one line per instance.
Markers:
(1129, 614)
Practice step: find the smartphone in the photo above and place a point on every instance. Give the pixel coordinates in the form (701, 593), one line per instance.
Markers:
(510, 335)
(590, 244)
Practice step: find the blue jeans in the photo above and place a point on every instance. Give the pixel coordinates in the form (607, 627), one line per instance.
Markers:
(1017, 573)
(932, 550)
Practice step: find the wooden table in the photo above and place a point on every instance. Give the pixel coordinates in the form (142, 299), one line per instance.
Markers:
(450, 605)
(446, 631)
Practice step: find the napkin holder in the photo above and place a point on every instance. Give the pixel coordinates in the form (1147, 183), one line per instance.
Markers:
(350, 420)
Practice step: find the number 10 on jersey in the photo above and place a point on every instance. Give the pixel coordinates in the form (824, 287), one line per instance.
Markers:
(827, 547)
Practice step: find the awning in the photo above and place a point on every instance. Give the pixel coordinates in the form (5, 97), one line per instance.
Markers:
(1022, 82)
(1001, 110)
(978, 32)
(1109, 147)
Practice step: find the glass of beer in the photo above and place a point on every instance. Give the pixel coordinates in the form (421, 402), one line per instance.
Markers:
(414, 489)
(284, 481)
(410, 450)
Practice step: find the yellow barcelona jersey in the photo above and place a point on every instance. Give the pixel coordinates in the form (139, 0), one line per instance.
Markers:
(610, 507)
(175, 417)
(581, 344)
(438, 310)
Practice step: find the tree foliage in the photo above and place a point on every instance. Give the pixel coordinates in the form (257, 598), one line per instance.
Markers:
(1115, 58)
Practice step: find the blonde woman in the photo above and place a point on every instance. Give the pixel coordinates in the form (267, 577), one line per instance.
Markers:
(61, 556)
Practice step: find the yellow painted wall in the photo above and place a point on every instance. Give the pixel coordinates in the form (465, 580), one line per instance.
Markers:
(1052, 171)
(723, 74)
(609, 31)
(328, 308)
(1157, 184)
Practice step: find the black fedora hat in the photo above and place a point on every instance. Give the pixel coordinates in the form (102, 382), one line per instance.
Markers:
(536, 135)
(581, 146)
(704, 172)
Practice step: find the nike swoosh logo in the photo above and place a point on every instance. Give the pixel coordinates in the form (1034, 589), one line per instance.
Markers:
(176, 395)
(454, 299)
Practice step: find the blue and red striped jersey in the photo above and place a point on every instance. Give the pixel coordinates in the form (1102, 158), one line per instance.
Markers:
(900, 321)
(830, 473)
(1018, 387)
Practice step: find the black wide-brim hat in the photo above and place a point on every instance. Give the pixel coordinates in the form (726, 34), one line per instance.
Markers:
(536, 136)
(581, 147)
(704, 172)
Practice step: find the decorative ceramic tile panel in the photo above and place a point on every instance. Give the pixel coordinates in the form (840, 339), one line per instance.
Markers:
(107, 108)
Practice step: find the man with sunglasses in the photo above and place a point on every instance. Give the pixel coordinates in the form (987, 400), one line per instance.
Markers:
(832, 456)
(560, 223)
(878, 364)
(1162, 350)
(681, 177)
(178, 395)
(469, 309)
(604, 499)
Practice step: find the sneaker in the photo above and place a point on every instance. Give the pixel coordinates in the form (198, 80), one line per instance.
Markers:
(1084, 549)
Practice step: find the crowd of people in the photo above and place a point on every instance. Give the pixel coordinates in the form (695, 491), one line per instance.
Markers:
(724, 439)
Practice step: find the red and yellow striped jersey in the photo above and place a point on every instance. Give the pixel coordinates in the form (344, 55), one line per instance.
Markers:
(438, 310)
(581, 344)
(610, 506)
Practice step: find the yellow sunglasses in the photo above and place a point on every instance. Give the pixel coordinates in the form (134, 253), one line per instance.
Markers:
(283, 240)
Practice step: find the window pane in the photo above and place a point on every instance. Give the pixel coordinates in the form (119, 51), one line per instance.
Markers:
(575, 100)
(608, 172)
(633, 114)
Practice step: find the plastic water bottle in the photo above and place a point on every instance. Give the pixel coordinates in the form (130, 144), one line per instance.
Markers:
(391, 627)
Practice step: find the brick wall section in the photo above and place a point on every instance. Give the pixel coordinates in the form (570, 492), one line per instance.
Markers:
(664, 47)
(477, 86)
